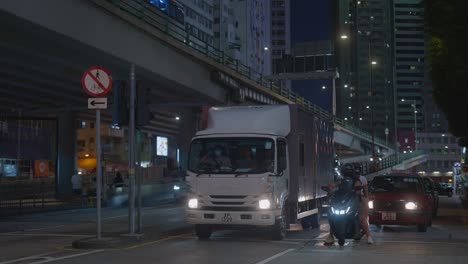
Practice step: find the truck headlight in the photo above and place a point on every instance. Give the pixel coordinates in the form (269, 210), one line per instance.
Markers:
(264, 204)
(176, 187)
(371, 204)
(411, 206)
(193, 203)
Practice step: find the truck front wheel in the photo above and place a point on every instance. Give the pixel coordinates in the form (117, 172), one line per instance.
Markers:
(203, 231)
(278, 230)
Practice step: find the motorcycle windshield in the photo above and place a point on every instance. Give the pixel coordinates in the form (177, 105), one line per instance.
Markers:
(342, 198)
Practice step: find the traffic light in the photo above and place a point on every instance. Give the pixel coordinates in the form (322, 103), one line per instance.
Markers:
(121, 105)
(142, 111)
(120, 113)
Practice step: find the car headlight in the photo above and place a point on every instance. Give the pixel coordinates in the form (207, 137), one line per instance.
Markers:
(264, 204)
(176, 187)
(411, 206)
(193, 203)
(371, 204)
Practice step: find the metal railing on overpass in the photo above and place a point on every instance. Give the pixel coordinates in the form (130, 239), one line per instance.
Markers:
(379, 164)
(158, 19)
(360, 132)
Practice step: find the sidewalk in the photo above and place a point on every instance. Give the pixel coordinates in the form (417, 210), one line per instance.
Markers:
(38, 233)
(153, 194)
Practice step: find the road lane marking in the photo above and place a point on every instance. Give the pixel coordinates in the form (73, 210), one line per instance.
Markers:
(43, 228)
(423, 242)
(29, 257)
(51, 259)
(275, 256)
(33, 229)
(159, 241)
(45, 234)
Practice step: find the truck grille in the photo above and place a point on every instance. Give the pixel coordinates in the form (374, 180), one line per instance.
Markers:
(228, 208)
(228, 196)
(227, 203)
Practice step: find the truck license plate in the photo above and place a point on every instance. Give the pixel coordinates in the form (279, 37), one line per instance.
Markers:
(227, 218)
(388, 216)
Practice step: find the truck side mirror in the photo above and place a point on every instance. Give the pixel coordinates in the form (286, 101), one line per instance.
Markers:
(281, 164)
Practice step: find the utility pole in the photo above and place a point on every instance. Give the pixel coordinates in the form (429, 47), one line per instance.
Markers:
(131, 155)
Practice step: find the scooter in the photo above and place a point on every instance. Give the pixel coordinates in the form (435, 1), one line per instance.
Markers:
(343, 215)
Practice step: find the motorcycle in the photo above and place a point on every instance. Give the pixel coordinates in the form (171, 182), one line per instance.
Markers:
(343, 215)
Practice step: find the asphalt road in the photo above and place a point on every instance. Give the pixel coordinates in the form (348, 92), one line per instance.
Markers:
(445, 242)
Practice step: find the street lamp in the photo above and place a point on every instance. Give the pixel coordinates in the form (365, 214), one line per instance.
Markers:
(413, 104)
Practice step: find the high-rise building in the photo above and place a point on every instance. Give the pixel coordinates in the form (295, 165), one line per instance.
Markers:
(199, 18)
(242, 30)
(434, 139)
(409, 41)
(225, 28)
(362, 32)
(196, 16)
(280, 32)
(344, 36)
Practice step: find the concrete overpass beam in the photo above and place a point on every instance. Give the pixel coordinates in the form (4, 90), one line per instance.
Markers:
(109, 34)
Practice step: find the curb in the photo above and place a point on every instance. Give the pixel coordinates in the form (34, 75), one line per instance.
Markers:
(124, 240)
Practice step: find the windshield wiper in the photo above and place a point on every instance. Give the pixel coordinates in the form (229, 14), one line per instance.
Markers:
(241, 174)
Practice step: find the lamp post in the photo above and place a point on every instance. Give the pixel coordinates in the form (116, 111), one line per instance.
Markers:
(372, 63)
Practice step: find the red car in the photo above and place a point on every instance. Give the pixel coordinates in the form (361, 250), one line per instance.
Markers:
(400, 200)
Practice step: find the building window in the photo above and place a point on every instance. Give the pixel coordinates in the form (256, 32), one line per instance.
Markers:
(82, 124)
(81, 145)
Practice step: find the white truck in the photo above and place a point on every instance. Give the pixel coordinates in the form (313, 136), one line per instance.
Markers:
(259, 165)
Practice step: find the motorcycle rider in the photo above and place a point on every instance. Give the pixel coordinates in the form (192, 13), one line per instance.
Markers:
(354, 172)
(332, 187)
(363, 205)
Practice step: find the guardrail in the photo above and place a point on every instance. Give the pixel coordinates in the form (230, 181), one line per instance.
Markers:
(156, 18)
(410, 155)
(360, 132)
(19, 197)
(379, 164)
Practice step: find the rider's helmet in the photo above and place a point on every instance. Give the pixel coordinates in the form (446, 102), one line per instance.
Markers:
(348, 170)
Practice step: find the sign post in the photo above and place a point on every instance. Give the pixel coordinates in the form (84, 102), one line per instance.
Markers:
(96, 82)
(131, 157)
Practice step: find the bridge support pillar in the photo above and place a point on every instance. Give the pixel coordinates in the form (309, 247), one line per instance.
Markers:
(66, 153)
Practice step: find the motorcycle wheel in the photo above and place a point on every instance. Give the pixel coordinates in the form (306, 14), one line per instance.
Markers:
(341, 241)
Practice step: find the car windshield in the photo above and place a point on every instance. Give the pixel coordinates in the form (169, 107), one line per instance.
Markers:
(395, 184)
(445, 185)
(232, 155)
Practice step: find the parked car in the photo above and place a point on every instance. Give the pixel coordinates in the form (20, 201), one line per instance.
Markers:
(430, 187)
(400, 200)
(444, 188)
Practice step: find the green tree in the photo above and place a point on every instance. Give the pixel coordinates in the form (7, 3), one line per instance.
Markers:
(446, 23)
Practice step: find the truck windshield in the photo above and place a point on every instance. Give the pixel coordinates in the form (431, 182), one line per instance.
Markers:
(232, 155)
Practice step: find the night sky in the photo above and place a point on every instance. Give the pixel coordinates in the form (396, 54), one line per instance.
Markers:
(310, 21)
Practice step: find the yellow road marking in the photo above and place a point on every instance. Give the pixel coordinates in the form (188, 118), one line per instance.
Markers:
(159, 241)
